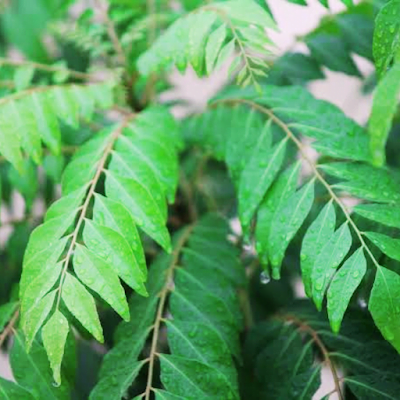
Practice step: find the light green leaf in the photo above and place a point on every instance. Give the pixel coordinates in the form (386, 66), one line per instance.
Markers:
(81, 305)
(343, 286)
(282, 189)
(139, 202)
(383, 110)
(213, 47)
(114, 215)
(383, 305)
(317, 235)
(98, 275)
(33, 320)
(287, 221)
(385, 214)
(256, 179)
(23, 77)
(388, 245)
(226, 52)
(112, 247)
(328, 261)
(54, 335)
(386, 35)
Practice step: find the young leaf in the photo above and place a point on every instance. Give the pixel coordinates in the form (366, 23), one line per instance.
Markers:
(343, 285)
(317, 235)
(328, 261)
(383, 305)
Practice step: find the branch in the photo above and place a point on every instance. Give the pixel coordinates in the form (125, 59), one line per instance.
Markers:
(9, 328)
(159, 316)
(112, 34)
(45, 67)
(308, 329)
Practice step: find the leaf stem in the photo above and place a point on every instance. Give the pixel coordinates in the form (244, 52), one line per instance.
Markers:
(9, 328)
(44, 67)
(314, 169)
(308, 329)
(163, 296)
(93, 183)
(112, 33)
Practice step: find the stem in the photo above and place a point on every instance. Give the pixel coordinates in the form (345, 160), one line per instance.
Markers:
(92, 186)
(9, 328)
(159, 316)
(112, 34)
(316, 173)
(44, 67)
(308, 329)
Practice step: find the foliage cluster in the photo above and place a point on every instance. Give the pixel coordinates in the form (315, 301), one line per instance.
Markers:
(138, 205)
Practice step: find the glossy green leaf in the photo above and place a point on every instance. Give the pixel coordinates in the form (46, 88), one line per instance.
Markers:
(286, 222)
(81, 305)
(343, 286)
(383, 305)
(256, 179)
(386, 42)
(54, 335)
(388, 245)
(282, 189)
(383, 110)
(100, 276)
(328, 261)
(383, 213)
(317, 235)
(113, 248)
(10, 391)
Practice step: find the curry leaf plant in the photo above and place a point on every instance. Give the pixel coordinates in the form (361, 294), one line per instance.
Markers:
(242, 251)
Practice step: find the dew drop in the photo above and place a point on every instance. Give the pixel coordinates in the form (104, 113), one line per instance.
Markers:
(356, 274)
(264, 278)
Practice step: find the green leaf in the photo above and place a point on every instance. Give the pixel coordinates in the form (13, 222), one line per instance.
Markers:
(115, 216)
(282, 189)
(100, 276)
(81, 305)
(383, 305)
(386, 36)
(343, 285)
(385, 214)
(365, 181)
(383, 109)
(213, 47)
(317, 235)
(328, 261)
(54, 335)
(141, 205)
(387, 244)
(23, 77)
(256, 178)
(32, 371)
(181, 376)
(329, 51)
(287, 221)
(110, 245)
(10, 391)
